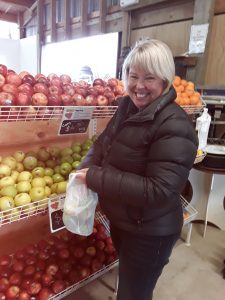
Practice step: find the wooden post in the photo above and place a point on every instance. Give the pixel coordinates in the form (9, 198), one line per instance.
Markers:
(53, 21)
(20, 22)
(102, 16)
(67, 25)
(40, 34)
(126, 29)
(202, 16)
(84, 17)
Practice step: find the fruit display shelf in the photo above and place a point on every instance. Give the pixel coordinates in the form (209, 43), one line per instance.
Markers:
(189, 211)
(45, 113)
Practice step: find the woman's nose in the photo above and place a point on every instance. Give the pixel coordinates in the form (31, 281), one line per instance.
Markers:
(140, 83)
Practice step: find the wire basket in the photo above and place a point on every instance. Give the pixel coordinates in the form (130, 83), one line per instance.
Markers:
(189, 212)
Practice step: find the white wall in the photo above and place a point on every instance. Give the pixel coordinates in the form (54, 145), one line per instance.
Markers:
(10, 54)
(19, 55)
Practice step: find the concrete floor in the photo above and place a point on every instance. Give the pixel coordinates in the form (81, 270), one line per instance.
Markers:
(194, 272)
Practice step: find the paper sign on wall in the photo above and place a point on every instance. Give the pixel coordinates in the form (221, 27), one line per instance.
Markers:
(198, 38)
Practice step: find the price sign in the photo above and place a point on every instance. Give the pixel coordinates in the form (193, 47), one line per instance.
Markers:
(75, 120)
(55, 209)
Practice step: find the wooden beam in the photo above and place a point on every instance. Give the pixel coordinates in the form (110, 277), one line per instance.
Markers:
(8, 17)
(144, 3)
(126, 31)
(102, 16)
(21, 28)
(84, 17)
(67, 23)
(198, 74)
(53, 21)
(26, 3)
(28, 14)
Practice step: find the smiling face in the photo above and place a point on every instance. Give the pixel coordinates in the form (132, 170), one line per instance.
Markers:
(143, 87)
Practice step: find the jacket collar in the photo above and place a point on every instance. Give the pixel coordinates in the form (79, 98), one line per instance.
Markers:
(148, 113)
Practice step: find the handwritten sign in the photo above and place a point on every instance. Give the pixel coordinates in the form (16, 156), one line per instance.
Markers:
(55, 209)
(75, 120)
(198, 38)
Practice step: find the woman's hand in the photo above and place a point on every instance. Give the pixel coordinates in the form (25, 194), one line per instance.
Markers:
(81, 174)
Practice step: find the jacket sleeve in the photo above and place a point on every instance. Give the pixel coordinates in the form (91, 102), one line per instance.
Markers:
(170, 158)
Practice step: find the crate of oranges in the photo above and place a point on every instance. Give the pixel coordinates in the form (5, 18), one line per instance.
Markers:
(187, 96)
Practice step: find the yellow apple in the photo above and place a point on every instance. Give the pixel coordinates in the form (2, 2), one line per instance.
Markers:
(24, 176)
(5, 170)
(37, 193)
(6, 203)
(9, 191)
(5, 181)
(22, 199)
(23, 186)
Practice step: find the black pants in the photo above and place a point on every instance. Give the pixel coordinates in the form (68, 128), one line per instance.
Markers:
(141, 261)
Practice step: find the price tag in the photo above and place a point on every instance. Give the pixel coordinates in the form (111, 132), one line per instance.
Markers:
(75, 120)
(55, 209)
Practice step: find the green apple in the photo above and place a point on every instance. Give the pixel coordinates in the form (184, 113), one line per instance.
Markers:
(48, 191)
(6, 203)
(54, 152)
(43, 154)
(76, 149)
(84, 153)
(30, 209)
(30, 162)
(54, 187)
(37, 193)
(76, 156)
(49, 171)
(61, 187)
(50, 163)
(38, 181)
(22, 199)
(74, 144)
(10, 161)
(41, 164)
(38, 172)
(31, 153)
(24, 176)
(66, 151)
(57, 169)
(19, 156)
(9, 190)
(5, 181)
(14, 175)
(23, 186)
(19, 167)
(65, 168)
(57, 178)
(5, 170)
(67, 158)
(75, 164)
(48, 180)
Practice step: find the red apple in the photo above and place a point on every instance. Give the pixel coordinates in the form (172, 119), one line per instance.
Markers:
(26, 282)
(20, 254)
(118, 90)
(109, 241)
(68, 89)
(63, 253)
(52, 269)
(65, 78)
(102, 100)
(2, 80)
(55, 90)
(34, 288)
(53, 240)
(56, 81)
(99, 81)
(31, 260)
(39, 99)
(99, 89)
(5, 271)
(46, 279)
(41, 78)
(100, 227)
(2, 296)
(100, 244)
(96, 265)
(101, 235)
(13, 79)
(5, 260)
(92, 91)
(86, 260)
(3, 70)
(45, 294)
(83, 83)
(100, 255)
(91, 100)
(24, 295)
(81, 91)
(40, 88)
(10, 88)
(23, 73)
(58, 286)
(29, 270)
(43, 255)
(67, 100)
(91, 251)
(110, 259)
(4, 284)
(54, 100)
(15, 278)
(38, 276)
(78, 100)
(40, 265)
(84, 272)
(11, 72)
(29, 79)
(112, 82)
(26, 88)
(65, 267)
(51, 76)
(18, 266)
(78, 252)
(110, 96)
(12, 292)
(23, 99)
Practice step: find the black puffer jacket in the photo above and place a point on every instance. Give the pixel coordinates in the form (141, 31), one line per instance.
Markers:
(140, 164)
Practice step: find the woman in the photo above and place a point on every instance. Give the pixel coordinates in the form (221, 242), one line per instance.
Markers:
(139, 166)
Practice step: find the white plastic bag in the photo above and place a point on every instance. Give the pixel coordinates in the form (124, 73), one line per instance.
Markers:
(202, 126)
(79, 207)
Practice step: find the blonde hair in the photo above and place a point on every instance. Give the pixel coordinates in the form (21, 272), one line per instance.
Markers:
(154, 57)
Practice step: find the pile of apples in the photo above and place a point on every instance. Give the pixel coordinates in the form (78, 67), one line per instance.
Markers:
(27, 180)
(24, 89)
(42, 270)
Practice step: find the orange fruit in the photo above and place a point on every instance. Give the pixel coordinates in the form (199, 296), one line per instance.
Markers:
(183, 82)
(176, 81)
(194, 100)
(180, 88)
(184, 101)
(189, 91)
